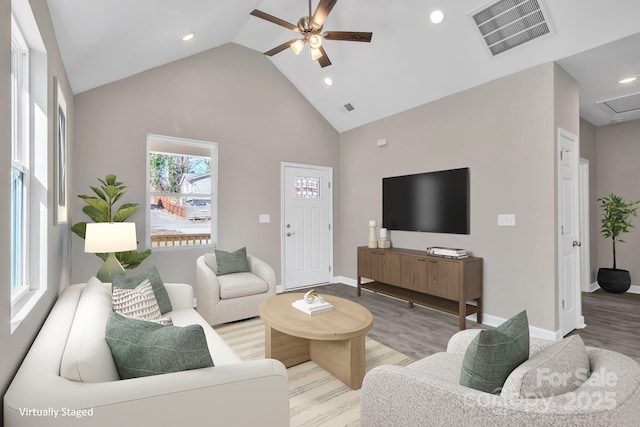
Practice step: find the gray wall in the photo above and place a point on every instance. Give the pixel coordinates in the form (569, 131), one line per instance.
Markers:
(229, 95)
(504, 131)
(52, 261)
(618, 171)
(588, 152)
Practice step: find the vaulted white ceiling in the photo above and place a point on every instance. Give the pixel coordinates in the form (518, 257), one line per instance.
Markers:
(408, 63)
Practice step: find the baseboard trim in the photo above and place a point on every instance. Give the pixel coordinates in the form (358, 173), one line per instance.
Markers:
(487, 319)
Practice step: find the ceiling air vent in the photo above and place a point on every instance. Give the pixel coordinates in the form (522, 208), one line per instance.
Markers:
(348, 107)
(510, 23)
(622, 104)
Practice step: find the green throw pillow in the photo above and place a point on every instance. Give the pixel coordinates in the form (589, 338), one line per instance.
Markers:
(495, 353)
(151, 274)
(140, 348)
(232, 262)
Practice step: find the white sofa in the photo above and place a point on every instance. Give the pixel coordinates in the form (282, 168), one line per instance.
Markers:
(427, 392)
(67, 377)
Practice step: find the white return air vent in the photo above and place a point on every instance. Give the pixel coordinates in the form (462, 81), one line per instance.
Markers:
(509, 23)
(622, 104)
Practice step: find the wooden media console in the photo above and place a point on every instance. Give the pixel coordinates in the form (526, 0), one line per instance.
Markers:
(441, 283)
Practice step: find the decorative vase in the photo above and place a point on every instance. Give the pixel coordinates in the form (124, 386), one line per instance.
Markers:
(373, 239)
(615, 281)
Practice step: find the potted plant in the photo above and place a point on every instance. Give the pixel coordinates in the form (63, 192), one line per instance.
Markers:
(101, 208)
(616, 220)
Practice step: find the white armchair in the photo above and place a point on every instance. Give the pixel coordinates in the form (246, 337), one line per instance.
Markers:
(236, 296)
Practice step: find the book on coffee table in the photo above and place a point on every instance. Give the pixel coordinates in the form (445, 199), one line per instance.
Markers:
(315, 307)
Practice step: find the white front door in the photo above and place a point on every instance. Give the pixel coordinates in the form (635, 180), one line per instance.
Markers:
(306, 225)
(570, 305)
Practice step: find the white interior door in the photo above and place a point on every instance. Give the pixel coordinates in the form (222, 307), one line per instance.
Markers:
(306, 226)
(570, 305)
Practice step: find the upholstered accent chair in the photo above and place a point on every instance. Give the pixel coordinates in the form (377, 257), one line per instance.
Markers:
(236, 296)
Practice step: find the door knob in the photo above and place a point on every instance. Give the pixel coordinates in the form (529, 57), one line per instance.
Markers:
(290, 234)
(576, 243)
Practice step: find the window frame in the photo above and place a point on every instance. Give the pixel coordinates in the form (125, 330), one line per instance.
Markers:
(153, 141)
(20, 156)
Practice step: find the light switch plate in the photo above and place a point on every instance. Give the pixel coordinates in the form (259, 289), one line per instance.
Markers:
(507, 220)
(264, 218)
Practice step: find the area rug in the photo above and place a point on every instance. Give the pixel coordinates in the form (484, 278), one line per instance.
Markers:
(316, 397)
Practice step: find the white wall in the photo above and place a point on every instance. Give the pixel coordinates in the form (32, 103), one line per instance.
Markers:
(504, 131)
(618, 171)
(51, 242)
(230, 95)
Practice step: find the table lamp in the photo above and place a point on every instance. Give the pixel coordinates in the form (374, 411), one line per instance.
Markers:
(110, 237)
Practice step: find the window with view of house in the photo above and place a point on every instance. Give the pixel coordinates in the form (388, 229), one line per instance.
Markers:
(182, 192)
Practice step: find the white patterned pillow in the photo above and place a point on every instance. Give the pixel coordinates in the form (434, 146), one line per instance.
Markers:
(139, 303)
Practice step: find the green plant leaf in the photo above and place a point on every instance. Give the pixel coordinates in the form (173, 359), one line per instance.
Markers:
(98, 204)
(111, 191)
(80, 229)
(124, 212)
(95, 214)
(99, 193)
(110, 179)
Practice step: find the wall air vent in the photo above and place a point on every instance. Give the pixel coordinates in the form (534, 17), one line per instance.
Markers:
(509, 23)
(622, 104)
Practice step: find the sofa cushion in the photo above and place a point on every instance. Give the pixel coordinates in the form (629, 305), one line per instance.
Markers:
(231, 262)
(241, 285)
(493, 354)
(86, 355)
(142, 348)
(138, 303)
(557, 369)
(153, 276)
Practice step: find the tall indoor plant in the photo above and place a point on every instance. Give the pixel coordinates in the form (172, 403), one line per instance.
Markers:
(616, 220)
(102, 208)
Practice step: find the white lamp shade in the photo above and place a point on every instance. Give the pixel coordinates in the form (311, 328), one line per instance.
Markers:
(106, 237)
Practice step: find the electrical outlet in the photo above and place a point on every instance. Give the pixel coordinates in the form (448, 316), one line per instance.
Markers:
(507, 220)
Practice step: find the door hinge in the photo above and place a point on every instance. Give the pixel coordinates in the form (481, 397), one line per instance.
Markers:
(329, 227)
(563, 304)
(329, 184)
(329, 269)
(561, 154)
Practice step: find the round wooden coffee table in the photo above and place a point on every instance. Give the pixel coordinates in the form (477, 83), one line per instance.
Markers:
(334, 339)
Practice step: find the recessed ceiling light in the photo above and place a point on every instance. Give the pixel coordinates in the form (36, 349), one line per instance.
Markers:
(328, 81)
(436, 16)
(188, 37)
(628, 80)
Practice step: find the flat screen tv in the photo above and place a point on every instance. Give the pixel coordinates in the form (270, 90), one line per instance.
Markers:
(436, 202)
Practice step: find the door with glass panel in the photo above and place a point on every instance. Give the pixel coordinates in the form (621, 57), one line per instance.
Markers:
(306, 225)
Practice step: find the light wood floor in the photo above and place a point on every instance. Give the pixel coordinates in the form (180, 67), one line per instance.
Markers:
(613, 322)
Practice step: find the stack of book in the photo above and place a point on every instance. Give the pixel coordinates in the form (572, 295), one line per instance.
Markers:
(316, 307)
(454, 253)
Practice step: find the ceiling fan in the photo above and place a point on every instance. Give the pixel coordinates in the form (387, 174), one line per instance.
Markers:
(310, 28)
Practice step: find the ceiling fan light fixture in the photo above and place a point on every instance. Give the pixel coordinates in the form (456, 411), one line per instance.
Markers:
(297, 46)
(315, 41)
(316, 54)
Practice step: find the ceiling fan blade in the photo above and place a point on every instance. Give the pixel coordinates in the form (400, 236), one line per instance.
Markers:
(322, 11)
(351, 36)
(279, 48)
(324, 60)
(260, 14)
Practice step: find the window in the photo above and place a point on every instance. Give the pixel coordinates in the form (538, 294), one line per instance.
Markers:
(29, 210)
(19, 161)
(182, 178)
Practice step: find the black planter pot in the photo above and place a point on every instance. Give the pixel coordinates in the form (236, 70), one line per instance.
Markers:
(614, 280)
